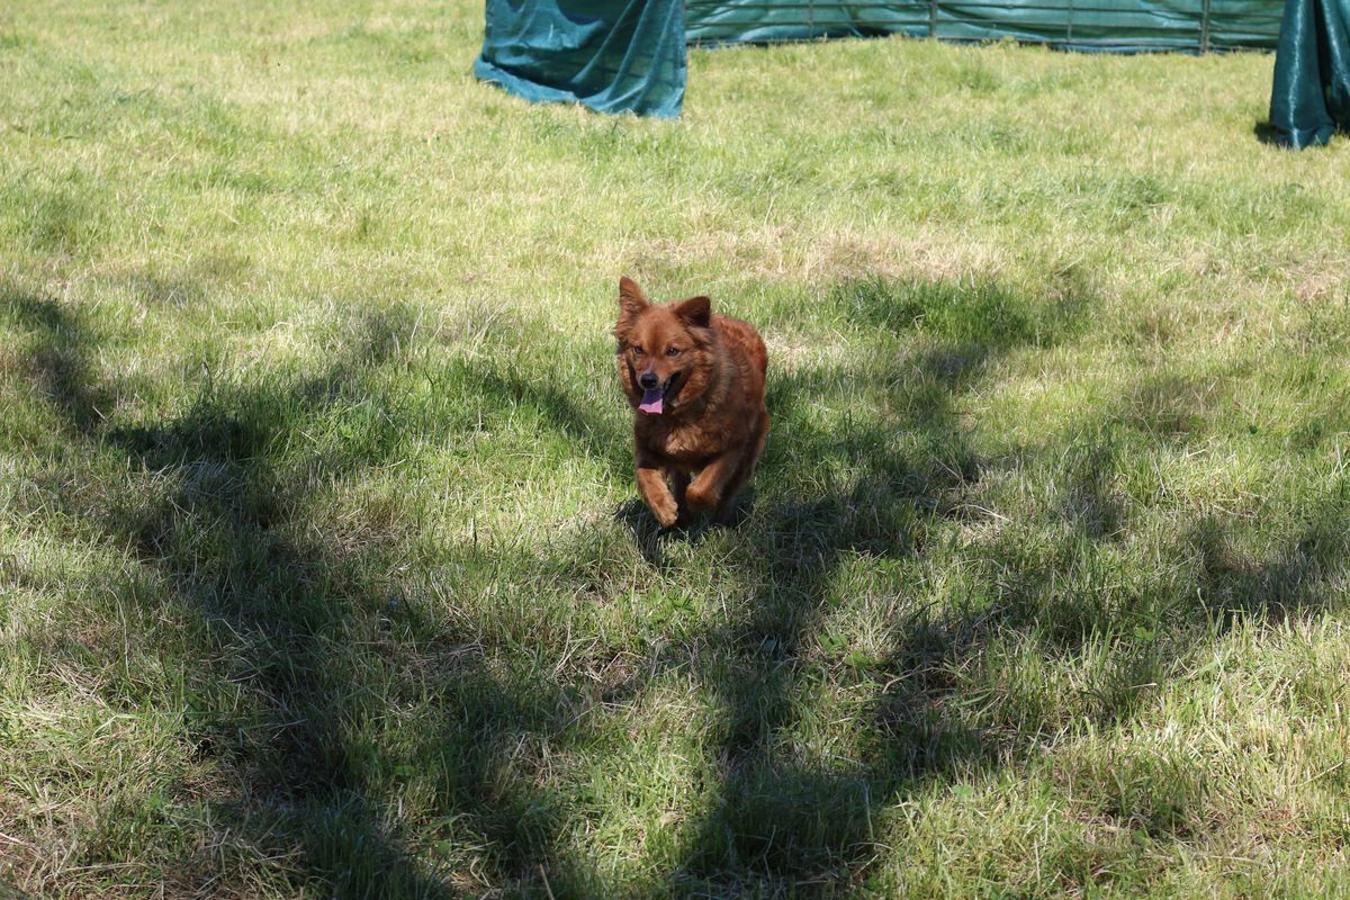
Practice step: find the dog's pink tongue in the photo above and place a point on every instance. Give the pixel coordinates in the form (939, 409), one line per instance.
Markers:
(653, 402)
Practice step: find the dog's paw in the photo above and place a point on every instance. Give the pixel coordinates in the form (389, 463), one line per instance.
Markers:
(667, 514)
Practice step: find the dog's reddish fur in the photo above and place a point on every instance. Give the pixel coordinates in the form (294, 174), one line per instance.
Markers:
(700, 450)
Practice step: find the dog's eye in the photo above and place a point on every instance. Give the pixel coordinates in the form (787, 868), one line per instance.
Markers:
(672, 351)
(637, 351)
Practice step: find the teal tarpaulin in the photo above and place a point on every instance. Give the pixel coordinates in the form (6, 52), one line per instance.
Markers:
(1311, 96)
(1115, 25)
(624, 56)
(629, 55)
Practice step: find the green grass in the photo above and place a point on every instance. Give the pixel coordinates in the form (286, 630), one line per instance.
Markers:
(321, 567)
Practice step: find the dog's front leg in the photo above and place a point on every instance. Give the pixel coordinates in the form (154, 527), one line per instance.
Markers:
(708, 490)
(656, 494)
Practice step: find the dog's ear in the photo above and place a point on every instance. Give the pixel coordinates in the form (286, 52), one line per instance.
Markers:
(697, 311)
(631, 299)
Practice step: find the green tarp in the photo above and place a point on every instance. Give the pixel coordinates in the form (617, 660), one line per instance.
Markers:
(1115, 25)
(629, 55)
(611, 56)
(1311, 96)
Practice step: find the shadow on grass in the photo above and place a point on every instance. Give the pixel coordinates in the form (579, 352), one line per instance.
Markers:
(278, 615)
(781, 821)
(298, 625)
(869, 458)
(784, 822)
(58, 366)
(1265, 132)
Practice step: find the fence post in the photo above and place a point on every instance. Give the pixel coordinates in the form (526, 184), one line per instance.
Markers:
(932, 19)
(1204, 27)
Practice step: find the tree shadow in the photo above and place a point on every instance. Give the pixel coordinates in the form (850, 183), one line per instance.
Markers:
(785, 822)
(220, 536)
(298, 626)
(870, 459)
(557, 411)
(59, 368)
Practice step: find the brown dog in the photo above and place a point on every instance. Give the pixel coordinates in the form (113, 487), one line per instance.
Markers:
(696, 381)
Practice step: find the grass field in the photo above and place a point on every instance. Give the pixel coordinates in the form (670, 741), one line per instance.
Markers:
(321, 567)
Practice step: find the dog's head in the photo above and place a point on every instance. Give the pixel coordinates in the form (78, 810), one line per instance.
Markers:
(665, 350)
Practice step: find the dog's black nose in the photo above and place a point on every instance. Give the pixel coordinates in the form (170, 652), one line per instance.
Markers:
(647, 380)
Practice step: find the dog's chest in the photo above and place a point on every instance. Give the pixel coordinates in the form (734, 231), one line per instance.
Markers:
(686, 442)
(691, 443)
